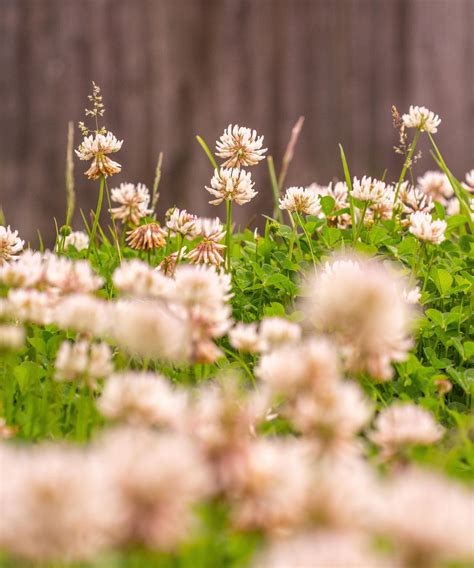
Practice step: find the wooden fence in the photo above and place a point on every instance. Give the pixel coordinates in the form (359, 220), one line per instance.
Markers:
(171, 69)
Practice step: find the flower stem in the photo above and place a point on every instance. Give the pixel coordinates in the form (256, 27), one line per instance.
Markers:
(300, 221)
(228, 235)
(97, 213)
(114, 226)
(180, 246)
(277, 213)
(417, 261)
(361, 222)
(406, 166)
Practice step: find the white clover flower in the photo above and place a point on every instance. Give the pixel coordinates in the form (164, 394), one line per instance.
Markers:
(28, 271)
(383, 209)
(231, 184)
(209, 251)
(58, 505)
(137, 278)
(321, 549)
(263, 480)
(83, 361)
(10, 244)
(413, 199)
(202, 294)
(147, 237)
(159, 479)
(143, 399)
(83, 313)
(32, 305)
(276, 332)
(470, 180)
(240, 146)
(95, 148)
(301, 200)
(69, 276)
(421, 118)
(425, 229)
(368, 189)
(78, 239)
(436, 185)
(133, 202)
(148, 328)
(245, 337)
(428, 517)
(182, 223)
(360, 304)
(308, 366)
(404, 424)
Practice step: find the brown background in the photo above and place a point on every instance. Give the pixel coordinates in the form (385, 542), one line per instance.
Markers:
(170, 69)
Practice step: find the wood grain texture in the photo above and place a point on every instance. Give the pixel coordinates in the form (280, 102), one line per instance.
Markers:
(171, 69)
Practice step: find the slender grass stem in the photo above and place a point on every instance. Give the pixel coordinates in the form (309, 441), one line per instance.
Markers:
(205, 147)
(406, 165)
(348, 178)
(277, 213)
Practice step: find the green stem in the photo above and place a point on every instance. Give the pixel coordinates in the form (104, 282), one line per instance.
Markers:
(114, 226)
(180, 246)
(361, 222)
(428, 271)
(417, 262)
(97, 213)
(300, 221)
(459, 191)
(228, 235)
(406, 165)
(277, 213)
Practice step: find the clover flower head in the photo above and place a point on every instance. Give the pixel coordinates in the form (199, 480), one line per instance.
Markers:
(180, 222)
(240, 146)
(404, 424)
(369, 189)
(209, 251)
(425, 229)
(133, 202)
(147, 237)
(301, 200)
(96, 147)
(421, 118)
(10, 244)
(436, 185)
(231, 184)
